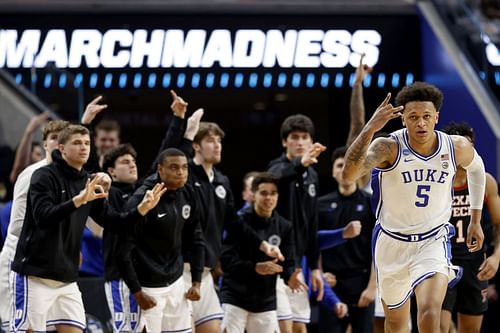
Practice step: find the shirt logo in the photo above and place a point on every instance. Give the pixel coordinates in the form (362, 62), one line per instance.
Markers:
(197, 184)
(274, 240)
(360, 208)
(186, 211)
(333, 205)
(408, 159)
(160, 215)
(220, 191)
(312, 190)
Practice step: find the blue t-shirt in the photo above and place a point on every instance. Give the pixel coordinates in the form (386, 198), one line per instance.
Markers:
(5, 220)
(92, 255)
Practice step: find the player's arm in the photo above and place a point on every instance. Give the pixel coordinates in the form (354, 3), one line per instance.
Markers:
(363, 154)
(469, 159)
(357, 105)
(360, 160)
(490, 266)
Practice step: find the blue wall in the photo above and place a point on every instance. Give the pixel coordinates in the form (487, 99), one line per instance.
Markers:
(438, 69)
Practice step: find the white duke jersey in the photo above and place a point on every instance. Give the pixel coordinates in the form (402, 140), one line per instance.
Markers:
(414, 195)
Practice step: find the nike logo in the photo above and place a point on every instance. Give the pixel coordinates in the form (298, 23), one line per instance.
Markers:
(197, 184)
(409, 159)
(124, 196)
(161, 215)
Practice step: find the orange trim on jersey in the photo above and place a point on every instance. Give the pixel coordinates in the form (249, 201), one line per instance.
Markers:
(464, 186)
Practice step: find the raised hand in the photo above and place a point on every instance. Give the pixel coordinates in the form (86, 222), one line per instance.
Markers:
(383, 114)
(311, 156)
(91, 192)
(361, 71)
(352, 229)
(151, 198)
(193, 124)
(178, 106)
(37, 121)
(104, 180)
(268, 267)
(92, 110)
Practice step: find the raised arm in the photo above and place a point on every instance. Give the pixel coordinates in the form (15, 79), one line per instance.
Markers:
(91, 111)
(357, 105)
(23, 151)
(469, 159)
(363, 154)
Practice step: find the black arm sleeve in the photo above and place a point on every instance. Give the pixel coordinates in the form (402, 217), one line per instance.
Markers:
(233, 224)
(109, 218)
(231, 261)
(47, 211)
(287, 247)
(125, 246)
(172, 139)
(194, 239)
(92, 165)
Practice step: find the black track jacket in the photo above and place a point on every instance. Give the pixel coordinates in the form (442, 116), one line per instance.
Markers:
(298, 202)
(50, 240)
(150, 250)
(242, 286)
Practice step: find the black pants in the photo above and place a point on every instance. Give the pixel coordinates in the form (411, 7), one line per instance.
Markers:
(361, 319)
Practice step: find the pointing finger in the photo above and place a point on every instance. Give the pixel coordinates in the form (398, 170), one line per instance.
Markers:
(96, 100)
(173, 94)
(386, 100)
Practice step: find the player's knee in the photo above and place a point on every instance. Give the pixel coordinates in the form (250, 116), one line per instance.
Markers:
(397, 323)
(429, 318)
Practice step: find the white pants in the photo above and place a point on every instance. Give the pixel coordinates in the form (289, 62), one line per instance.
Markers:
(208, 307)
(237, 320)
(44, 302)
(292, 305)
(171, 313)
(6, 276)
(122, 306)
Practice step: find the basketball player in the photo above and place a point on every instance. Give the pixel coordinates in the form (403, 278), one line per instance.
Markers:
(412, 180)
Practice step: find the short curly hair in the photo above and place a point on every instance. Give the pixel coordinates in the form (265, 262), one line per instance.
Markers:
(420, 92)
(296, 122)
(115, 153)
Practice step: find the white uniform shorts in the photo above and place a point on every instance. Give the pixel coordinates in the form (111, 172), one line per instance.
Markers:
(43, 302)
(401, 265)
(208, 307)
(122, 306)
(237, 320)
(6, 276)
(171, 313)
(379, 307)
(292, 305)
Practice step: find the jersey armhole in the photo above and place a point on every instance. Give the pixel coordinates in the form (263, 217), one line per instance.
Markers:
(398, 157)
